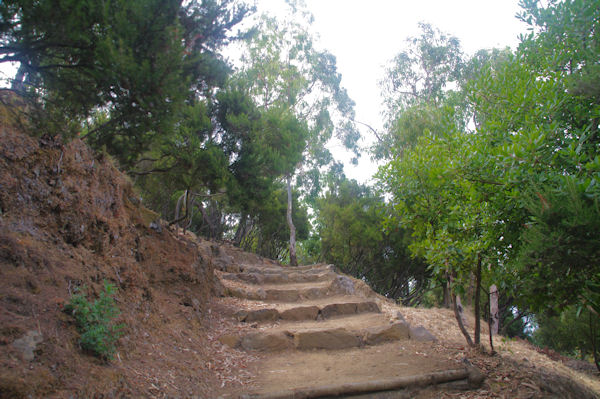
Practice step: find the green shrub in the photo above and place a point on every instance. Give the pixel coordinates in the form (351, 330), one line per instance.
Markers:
(95, 321)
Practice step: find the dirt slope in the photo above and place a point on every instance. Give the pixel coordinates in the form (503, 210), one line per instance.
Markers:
(68, 218)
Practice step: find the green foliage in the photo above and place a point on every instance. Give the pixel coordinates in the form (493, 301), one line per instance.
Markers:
(295, 84)
(521, 190)
(572, 333)
(268, 233)
(352, 236)
(136, 61)
(423, 71)
(95, 321)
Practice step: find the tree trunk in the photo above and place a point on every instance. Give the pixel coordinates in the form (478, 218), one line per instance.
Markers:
(458, 314)
(477, 301)
(459, 319)
(293, 261)
(241, 230)
(594, 342)
(446, 289)
(18, 83)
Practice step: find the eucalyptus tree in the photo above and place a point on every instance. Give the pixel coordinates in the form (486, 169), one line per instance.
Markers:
(282, 69)
(416, 87)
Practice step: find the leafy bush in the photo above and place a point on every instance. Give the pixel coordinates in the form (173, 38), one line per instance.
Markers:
(95, 321)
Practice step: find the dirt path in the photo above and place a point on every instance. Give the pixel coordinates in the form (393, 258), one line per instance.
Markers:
(319, 333)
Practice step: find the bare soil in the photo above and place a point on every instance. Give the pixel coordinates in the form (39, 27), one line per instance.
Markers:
(69, 219)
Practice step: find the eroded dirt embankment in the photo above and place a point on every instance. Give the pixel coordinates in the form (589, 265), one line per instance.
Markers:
(69, 218)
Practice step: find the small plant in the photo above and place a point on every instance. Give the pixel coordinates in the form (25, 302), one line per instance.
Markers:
(95, 321)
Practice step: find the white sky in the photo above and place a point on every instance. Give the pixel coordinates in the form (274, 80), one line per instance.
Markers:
(365, 34)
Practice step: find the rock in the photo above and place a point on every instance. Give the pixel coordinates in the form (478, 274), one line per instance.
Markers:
(266, 342)
(252, 278)
(343, 285)
(400, 317)
(28, 343)
(367, 307)
(233, 341)
(196, 305)
(338, 338)
(155, 225)
(393, 332)
(421, 334)
(262, 315)
(338, 309)
(230, 276)
(302, 313)
(245, 294)
(314, 293)
(241, 315)
(283, 295)
(275, 278)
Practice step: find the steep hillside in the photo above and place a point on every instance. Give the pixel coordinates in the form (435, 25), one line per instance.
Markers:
(69, 219)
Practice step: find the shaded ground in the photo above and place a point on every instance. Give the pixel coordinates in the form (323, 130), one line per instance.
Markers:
(69, 219)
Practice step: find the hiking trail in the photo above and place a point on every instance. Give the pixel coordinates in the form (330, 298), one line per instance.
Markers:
(321, 334)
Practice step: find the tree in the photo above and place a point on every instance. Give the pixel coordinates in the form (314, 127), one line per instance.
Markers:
(519, 192)
(350, 223)
(123, 68)
(439, 175)
(572, 333)
(267, 233)
(539, 116)
(282, 69)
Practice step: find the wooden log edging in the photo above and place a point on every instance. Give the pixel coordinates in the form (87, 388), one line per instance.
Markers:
(471, 375)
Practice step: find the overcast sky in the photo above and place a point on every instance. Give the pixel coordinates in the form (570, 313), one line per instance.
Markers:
(364, 35)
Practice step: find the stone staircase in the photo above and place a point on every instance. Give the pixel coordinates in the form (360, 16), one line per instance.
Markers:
(303, 318)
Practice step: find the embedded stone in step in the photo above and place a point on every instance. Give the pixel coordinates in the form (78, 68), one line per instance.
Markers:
(421, 334)
(257, 315)
(306, 278)
(252, 278)
(275, 278)
(367, 307)
(301, 313)
(343, 285)
(338, 309)
(266, 342)
(338, 338)
(392, 332)
(293, 295)
(341, 309)
(238, 292)
(282, 295)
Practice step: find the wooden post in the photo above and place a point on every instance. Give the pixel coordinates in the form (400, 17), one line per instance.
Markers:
(494, 309)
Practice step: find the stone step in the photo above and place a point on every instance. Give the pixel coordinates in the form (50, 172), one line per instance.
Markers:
(325, 338)
(270, 269)
(313, 312)
(281, 293)
(278, 278)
